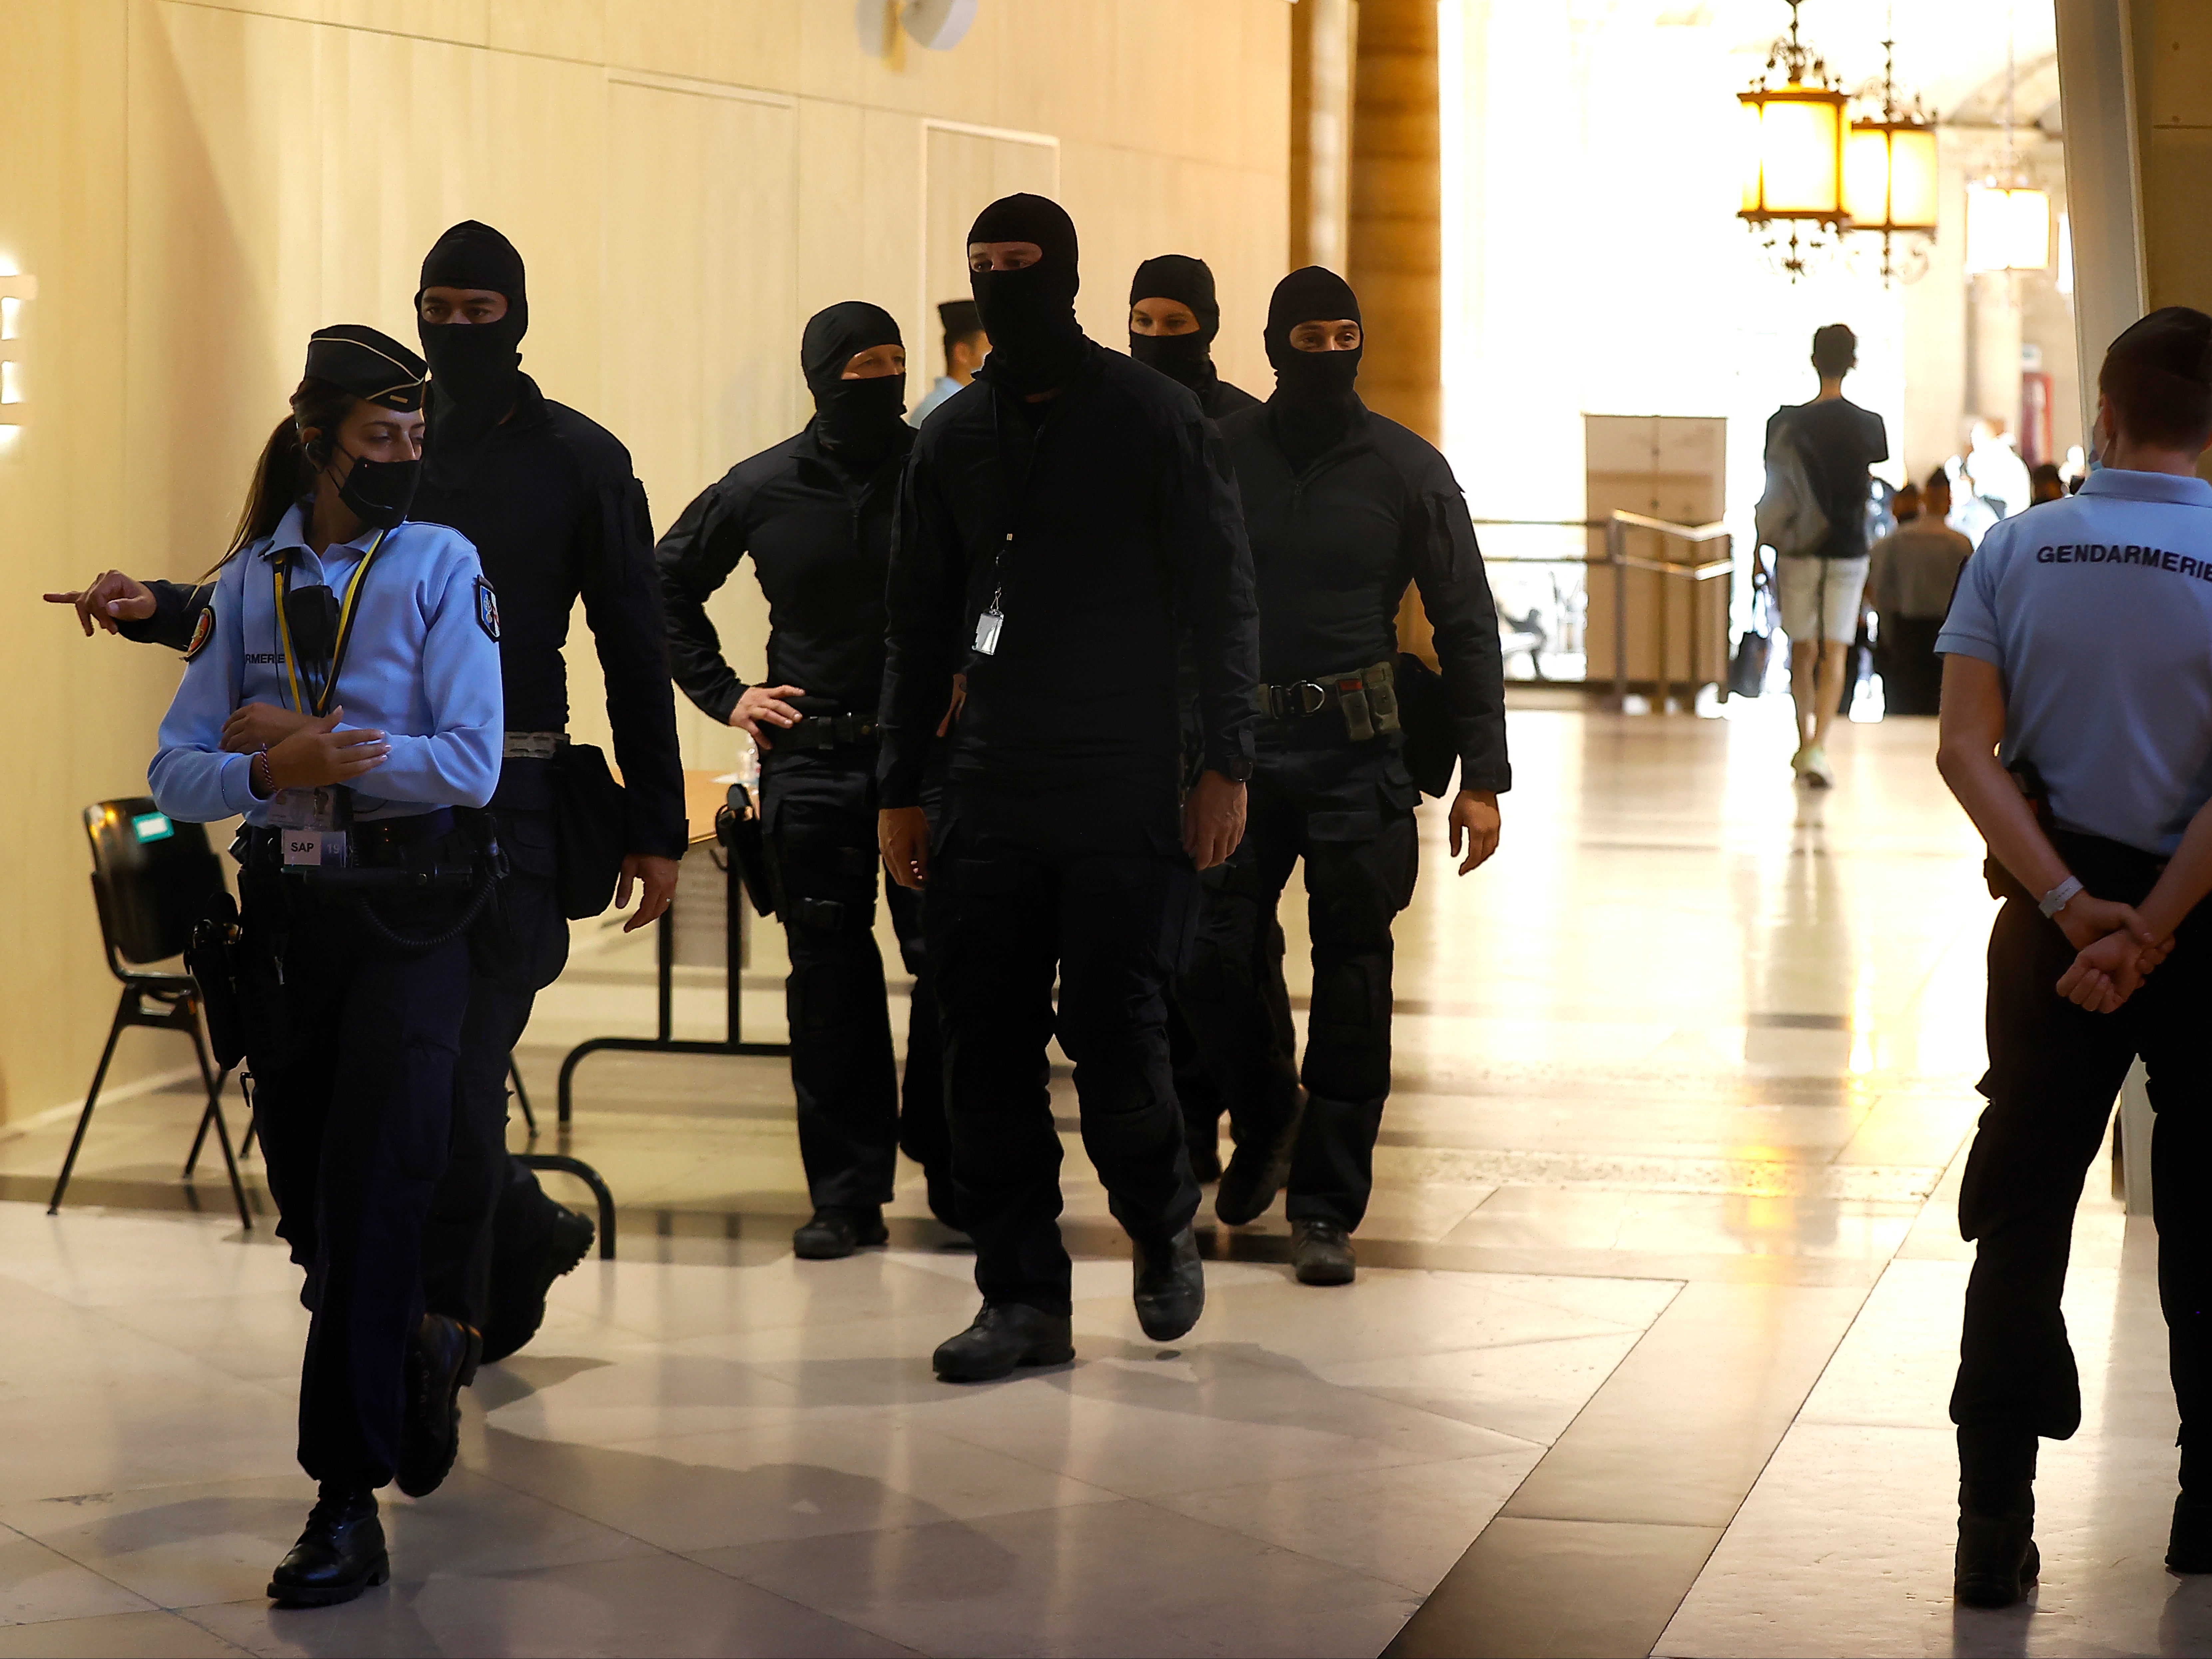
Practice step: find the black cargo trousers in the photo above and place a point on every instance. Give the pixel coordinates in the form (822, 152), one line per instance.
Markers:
(818, 818)
(2054, 1071)
(1092, 882)
(487, 1204)
(1347, 809)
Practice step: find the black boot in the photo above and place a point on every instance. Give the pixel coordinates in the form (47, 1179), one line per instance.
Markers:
(441, 1361)
(2189, 1547)
(1005, 1334)
(835, 1231)
(519, 1281)
(1320, 1252)
(1997, 1563)
(1256, 1172)
(339, 1556)
(1169, 1284)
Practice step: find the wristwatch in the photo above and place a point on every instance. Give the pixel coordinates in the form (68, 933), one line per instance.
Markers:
(2060, 896)
(1237, 771)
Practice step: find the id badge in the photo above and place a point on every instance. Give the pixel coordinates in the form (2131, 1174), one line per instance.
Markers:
(987, 633)
(303, 809)
(324, 848)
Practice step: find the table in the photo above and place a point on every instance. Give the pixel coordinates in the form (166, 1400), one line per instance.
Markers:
(704, 793)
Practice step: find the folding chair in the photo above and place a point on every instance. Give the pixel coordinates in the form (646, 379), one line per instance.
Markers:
(151, 879)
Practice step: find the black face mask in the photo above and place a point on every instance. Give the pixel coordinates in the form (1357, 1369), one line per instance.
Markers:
(1036, 344)
(381, 492)
(476, 368)
(1181, 357)
(1313, 404)
(857, 420)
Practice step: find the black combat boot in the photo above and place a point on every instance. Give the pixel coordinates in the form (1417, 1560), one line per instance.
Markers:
(1321, 1253)
(339, 1556)
(521, 1280)
(441, 1361)
(1997, 1563)
(835, 1231)
(1005, 1334)
(1257, 1170)
(2189, 1547)
(1169, 1284)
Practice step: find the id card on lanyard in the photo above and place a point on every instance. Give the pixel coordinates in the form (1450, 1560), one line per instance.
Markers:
(311, 819)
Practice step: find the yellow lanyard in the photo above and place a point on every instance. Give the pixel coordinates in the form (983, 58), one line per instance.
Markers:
(320, 705)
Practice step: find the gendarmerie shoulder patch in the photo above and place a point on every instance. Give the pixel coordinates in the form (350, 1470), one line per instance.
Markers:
(202, 631)
(488, 610)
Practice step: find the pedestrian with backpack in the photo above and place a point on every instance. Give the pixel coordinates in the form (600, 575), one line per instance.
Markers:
(1814, 516)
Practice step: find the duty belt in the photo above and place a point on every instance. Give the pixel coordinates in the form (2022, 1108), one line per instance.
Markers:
(1366, 697)
(826, 732)
(532, 745)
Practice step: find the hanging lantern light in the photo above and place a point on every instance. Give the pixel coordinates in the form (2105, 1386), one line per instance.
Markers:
(2008, 218)
(1794, 136)
(1889, 172)
(2007, 227)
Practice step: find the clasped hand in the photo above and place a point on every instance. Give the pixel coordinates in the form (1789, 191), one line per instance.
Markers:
(2116, 952)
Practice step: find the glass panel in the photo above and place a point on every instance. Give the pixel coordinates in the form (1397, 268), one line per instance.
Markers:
(1798, 149)
(1866, 178)
(1912, 188)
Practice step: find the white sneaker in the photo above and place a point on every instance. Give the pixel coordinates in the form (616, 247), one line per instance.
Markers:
(1816, 770)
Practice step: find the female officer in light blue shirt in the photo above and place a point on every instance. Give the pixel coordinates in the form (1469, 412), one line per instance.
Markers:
(341, 693)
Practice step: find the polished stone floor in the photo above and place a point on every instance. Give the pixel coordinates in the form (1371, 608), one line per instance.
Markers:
(1649, 1350)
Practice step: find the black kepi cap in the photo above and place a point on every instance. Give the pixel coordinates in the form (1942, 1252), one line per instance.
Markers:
(373, 366)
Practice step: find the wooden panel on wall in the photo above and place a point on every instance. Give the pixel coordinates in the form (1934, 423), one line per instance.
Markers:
(699, 341)
(963, 173)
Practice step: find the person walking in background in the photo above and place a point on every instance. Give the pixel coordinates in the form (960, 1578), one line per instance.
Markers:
(2045, 483)
(815, 513)
(1818, 586)
(1910, 574)
(965, 346)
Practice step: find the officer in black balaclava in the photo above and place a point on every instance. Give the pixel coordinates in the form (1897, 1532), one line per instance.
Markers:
(1173, 320)
(550, 502)
(1344, 509)
(1060, 518)
(816, 514)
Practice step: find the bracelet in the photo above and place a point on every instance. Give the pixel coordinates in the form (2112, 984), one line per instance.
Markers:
(2060, 896)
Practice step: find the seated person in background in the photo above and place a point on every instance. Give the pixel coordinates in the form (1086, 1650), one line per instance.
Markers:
(1910, 576)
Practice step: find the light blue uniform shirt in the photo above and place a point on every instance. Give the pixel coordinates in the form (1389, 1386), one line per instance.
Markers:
(422, 667)
(2097, 610)
(945, 386)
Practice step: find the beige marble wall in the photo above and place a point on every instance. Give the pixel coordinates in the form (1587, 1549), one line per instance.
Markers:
(197, 185)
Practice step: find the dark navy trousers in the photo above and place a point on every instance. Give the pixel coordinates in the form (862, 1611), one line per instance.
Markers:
(352, 1049)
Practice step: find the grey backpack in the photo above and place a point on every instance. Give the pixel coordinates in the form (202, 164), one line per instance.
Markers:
(1789, 514)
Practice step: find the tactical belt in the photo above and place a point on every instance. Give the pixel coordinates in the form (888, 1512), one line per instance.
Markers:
(826, 732)
(532, 745)
(1366, 697)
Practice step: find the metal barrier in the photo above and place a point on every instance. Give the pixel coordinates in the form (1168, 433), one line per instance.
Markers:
(1617, 558)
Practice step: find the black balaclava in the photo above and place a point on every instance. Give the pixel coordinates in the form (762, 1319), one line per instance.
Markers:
(476, 368)
(1036, 344)
(1313, 401)
(855, 419)
(1185, 357)
(377, 370)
